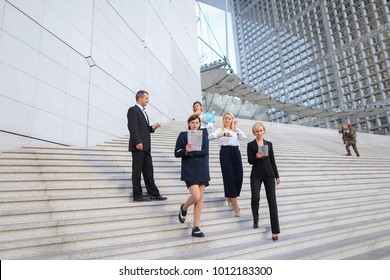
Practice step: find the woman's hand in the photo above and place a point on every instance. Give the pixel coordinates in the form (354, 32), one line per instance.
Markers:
(259, 154)
(188, 148)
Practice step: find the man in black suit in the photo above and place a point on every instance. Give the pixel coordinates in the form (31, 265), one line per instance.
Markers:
(139, 145)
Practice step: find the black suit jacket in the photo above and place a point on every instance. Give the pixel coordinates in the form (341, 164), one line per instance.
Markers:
(265, 164)
(195, 164)
(139, 129)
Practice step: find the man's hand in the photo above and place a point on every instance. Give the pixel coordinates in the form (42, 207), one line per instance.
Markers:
(139, 147)
(155, 126)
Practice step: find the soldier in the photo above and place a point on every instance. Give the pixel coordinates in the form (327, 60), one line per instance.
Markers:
(342, 129)
(350, 140)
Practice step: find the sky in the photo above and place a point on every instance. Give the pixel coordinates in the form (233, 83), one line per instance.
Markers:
(211, 28)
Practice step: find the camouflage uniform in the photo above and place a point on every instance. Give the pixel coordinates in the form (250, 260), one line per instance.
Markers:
(342, 129)
(350, 140)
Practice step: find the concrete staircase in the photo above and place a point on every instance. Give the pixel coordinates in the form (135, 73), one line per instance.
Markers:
(76, 203)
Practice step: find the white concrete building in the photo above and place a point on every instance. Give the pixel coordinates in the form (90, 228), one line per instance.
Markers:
(69, 70)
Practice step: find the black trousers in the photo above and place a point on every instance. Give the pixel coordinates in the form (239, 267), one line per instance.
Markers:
(269, 184)
(142, 163)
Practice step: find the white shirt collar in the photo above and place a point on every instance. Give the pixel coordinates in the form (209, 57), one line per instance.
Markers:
(140, 106)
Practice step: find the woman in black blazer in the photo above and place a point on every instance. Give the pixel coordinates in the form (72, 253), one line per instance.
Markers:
(263, 170)
(194, 171)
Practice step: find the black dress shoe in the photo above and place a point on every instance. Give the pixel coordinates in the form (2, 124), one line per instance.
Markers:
(274, 238)
(141, 198)
(255, 225)
(159, 197)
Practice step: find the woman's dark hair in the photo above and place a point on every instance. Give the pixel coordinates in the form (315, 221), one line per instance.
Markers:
(191, 118)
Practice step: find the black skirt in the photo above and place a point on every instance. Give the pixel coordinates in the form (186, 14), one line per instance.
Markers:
(232, 170)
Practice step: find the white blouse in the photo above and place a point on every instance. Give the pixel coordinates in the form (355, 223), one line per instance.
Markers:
(237, 135)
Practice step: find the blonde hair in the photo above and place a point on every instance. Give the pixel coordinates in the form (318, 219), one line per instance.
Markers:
(231, 114)
(197, 102)
(257, 125)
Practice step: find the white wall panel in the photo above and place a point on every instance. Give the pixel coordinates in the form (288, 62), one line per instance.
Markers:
(133, 13)
(81, 18)
(77, 87)
(56, 23)
(100, 57)
(85, 7)
(157, 38)
(78, 65)
(61, 7)
(96, 136)
(45, 123)
(183, 30)
(17, 85)
(97, 119)
(32, 8)
(159, 84)
(51, 72)
(49, 99)
(54, 49)
(69, 70)
(19, 55)
(2, 7)
(15, 116)
(164, 10)
(98, 98)
(21, 27)
(76, 110)
(80, 42)
(75, 133)
(182, 107)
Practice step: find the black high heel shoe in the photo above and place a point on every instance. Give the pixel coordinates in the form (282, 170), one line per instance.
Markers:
(274, 238)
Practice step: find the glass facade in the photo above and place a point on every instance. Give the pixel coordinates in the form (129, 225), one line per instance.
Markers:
(329, 54)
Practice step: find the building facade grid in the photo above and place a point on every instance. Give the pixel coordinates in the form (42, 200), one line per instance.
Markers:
(326, 54)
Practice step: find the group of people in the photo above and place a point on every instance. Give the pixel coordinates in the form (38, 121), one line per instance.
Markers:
(195, 162)
(348, 135)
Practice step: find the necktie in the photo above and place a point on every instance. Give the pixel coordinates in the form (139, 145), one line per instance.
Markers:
(146, 115)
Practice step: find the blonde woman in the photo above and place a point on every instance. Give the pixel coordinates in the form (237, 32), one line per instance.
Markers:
(264, 170)
(206, 118)
(230, 158)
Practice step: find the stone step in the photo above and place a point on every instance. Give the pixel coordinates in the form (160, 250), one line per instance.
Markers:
(79, 210)
(295, 238)
(45, 194)
(217, 240)
(283, 162)
(344, 248)
(12, 231)
(76, 203)
(90, 196)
